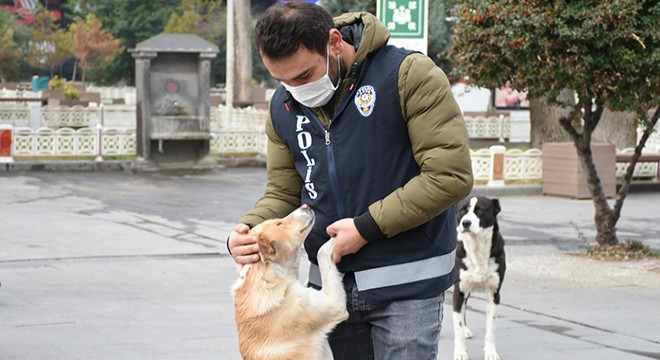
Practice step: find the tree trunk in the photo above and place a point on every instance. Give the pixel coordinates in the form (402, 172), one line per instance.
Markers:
(544, 119)
(243, 45)
(75, 68)
(605, 227)
(604, 218)
(617, 128)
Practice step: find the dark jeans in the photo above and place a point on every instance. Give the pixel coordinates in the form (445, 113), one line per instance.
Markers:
(399, 330)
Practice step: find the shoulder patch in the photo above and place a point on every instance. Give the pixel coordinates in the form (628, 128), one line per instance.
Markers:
(365, 99)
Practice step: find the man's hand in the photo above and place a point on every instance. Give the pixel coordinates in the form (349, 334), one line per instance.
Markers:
(243, 247)
(347, 238)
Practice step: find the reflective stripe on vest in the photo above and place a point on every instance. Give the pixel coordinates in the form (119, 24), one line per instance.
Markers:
(396, 274)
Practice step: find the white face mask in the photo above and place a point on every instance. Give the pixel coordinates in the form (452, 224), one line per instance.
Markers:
(318, 92)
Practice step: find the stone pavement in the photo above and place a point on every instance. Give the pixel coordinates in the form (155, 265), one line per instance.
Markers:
(115, 265)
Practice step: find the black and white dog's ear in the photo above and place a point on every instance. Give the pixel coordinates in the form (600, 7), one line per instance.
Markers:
(496, 205)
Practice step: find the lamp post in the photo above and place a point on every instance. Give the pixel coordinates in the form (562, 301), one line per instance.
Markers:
(229, 81)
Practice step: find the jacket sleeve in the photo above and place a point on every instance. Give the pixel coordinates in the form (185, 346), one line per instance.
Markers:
(282, 193)
(441, 149)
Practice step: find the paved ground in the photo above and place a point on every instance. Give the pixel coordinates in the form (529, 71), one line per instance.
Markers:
(114, 265)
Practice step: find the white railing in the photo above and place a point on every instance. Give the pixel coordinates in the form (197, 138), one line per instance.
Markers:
(110, 130)
(119, 116)
(488, 127)
(240, 133)
(118, 141)
(241, 119)
(480, 164)
(65, 116)
(523, 165)
(75, 116)
(67, 142)
(238, 142)
(15, 116)
(25, 94)
(518, 165)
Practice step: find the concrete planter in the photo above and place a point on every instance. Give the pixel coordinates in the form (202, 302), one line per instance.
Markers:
(56, 98)
(66, 102)
(563, 174)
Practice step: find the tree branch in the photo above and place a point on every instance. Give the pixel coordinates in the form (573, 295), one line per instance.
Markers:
(627, 178)
(595, 117)
(566, 123)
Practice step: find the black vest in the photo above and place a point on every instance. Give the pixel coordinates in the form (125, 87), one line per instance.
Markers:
(365, 155)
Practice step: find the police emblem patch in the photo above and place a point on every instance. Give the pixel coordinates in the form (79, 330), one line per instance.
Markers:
(365, 99)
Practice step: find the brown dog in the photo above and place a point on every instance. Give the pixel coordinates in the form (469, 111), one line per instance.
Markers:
(279, 318)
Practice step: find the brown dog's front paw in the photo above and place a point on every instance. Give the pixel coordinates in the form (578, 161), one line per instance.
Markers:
(326, 250)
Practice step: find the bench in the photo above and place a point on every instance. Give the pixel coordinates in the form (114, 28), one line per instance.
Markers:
(43, 101)
(643, 158)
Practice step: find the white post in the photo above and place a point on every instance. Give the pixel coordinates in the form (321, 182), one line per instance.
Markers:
(501, 128)
(496, 173)
(35, 116)
(99, 137)
(99, 133)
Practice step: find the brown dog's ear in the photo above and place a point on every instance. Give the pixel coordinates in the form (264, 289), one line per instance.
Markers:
(274, 247)
(267, 248)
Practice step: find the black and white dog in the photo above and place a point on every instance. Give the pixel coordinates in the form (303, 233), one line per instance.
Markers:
(480, 266)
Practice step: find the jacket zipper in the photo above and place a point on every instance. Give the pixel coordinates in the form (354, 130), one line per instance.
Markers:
(332, 169)
(332, 174)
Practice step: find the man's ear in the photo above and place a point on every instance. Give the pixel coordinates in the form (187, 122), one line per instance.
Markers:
(335, 41)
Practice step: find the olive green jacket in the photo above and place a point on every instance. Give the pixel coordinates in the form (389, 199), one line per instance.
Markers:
(437, 132)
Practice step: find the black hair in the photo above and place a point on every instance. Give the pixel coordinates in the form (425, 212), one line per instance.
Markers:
(285, 27)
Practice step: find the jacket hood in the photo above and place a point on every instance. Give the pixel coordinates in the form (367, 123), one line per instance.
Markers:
(364, 31)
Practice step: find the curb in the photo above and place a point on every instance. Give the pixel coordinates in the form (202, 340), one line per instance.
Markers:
(128, 165)
(68, 165)
(507, 190)
(638, 186)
